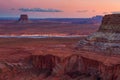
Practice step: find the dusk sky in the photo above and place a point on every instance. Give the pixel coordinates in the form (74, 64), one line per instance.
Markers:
(58, 8)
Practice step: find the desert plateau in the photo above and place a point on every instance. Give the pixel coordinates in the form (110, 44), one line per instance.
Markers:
(59, 40)
(56, 57)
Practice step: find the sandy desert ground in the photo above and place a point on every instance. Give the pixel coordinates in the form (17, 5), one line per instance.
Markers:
(12, 49)
(14, 28)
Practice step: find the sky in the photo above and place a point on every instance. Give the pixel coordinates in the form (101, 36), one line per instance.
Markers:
(58, 8)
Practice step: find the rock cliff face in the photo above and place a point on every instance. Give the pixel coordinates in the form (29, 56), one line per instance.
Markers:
(110, 23)
(44, 63)
(107, 38)
(77, 66)
(48, 65)
(100, 49)
(81, 66)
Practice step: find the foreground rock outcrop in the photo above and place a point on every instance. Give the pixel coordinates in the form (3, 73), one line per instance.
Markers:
(44, 67)
(101, 50)
(82, 66)
(107, 38)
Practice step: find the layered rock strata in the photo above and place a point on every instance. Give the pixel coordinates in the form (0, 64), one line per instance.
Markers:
(53, 67)
(107, 38)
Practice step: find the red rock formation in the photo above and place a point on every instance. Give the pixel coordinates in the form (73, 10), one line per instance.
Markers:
(103, 45)
(77, 66)
(83, 64)
(110, 23)
(23, 18)
(107, 38)
(44, 63)
(101, 69)
(113, 19)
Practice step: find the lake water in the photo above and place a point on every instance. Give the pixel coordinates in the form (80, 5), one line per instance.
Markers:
(32, 36)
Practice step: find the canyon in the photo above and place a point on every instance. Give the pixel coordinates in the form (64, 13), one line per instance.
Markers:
(95, 57)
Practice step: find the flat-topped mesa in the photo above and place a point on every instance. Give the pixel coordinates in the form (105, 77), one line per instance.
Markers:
(110, 23)
(107, 38)
(23, 18)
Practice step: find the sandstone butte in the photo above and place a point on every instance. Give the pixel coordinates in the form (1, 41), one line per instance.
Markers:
(97, 57)
(23, 19)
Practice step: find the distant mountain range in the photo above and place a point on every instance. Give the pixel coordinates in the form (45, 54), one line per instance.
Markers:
(92, 20)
